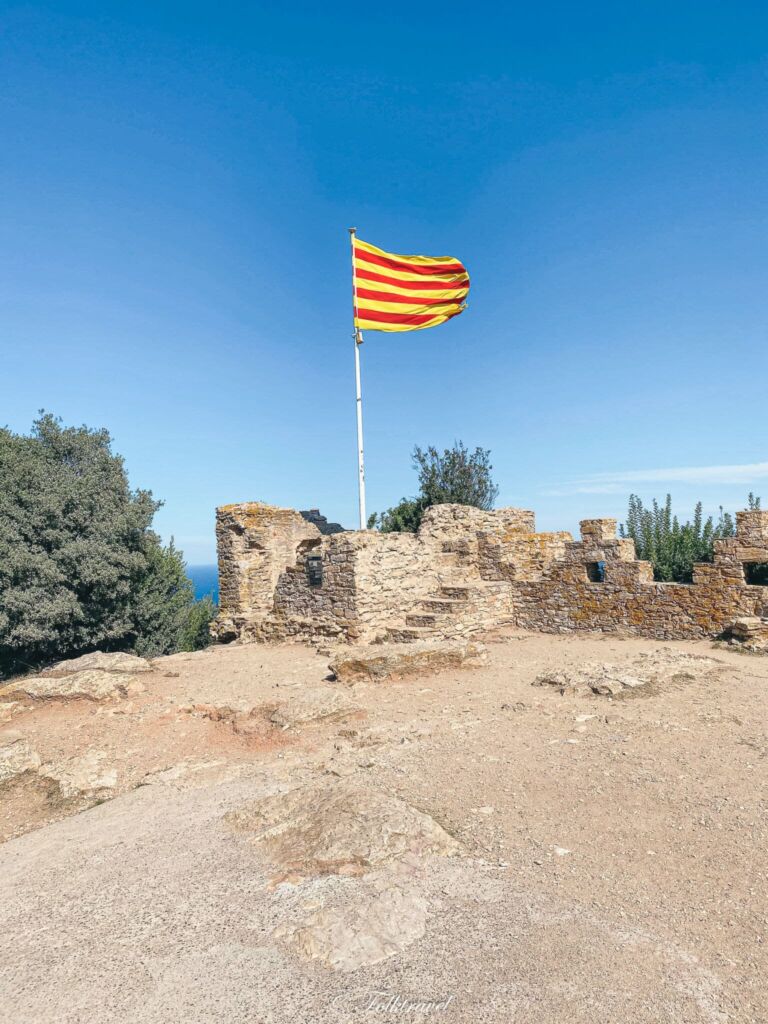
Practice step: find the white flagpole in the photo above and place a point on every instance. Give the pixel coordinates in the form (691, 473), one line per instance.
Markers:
(358, 339)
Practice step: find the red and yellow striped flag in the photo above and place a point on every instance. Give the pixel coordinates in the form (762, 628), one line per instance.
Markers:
(405, 293)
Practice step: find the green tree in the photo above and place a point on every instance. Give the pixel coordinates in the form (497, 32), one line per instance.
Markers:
(196, 631)
(80, 567)
(405, 517)
(455, 476)
(458, 476)
(673, 547)
(166, 616)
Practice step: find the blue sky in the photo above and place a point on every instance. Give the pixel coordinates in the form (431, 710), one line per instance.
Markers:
(176, 182)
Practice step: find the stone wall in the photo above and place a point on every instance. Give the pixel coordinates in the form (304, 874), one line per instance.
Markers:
(255, 542)
(305, 610)
(370, 580)
(627, 600)
(518, 554)
(459, 530)
(463, 571)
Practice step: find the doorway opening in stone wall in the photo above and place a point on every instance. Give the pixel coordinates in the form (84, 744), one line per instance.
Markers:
(756, 574)
(596, 572)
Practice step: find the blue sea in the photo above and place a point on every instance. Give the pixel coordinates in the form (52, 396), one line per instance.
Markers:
(205, 579)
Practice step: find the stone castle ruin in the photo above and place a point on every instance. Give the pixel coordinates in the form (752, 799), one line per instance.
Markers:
(283, 575)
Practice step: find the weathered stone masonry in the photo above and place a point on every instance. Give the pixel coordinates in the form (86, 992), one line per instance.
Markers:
(464, 571)
(629, 601)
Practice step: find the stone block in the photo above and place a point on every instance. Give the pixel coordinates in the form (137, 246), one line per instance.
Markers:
(595, 531)
(752, 528)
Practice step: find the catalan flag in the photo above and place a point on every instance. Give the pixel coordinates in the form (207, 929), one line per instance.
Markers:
(405, 293)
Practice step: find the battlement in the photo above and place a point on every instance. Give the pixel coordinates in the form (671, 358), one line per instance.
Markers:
(595, 531)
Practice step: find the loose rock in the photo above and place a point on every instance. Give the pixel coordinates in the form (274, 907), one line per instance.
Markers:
(213, 712)
(749, 632)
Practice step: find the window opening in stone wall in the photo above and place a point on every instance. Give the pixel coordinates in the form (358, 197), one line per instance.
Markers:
(596, 572)
(756, 574)
(315, 570)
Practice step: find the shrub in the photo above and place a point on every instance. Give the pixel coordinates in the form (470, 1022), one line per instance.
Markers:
(80, 567)
(456, 476)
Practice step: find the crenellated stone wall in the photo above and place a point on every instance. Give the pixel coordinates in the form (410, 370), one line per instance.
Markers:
(464, 571)
(627, 600)
(518, 554)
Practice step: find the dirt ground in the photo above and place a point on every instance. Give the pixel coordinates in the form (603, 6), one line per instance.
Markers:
(613, 850)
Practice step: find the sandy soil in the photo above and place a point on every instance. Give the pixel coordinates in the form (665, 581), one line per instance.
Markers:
(613, 863)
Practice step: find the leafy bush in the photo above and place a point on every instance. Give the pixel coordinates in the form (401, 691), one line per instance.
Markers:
(80, 566)
(456, 476)
(673, 547)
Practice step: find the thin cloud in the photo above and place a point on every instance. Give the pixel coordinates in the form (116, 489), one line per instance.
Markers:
(613, 483)
(566, 490)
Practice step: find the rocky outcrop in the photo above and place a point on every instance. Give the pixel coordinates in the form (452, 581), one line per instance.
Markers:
(249, 723)
(605, 679)
(96, 676)
(348, 937)
(349, 828)
(341, 828)
(17, 757)
(312, 704)
(73, 777)
(91, 684)
(81, 776)
(303, 706)
(387, 661)
(99, 661)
